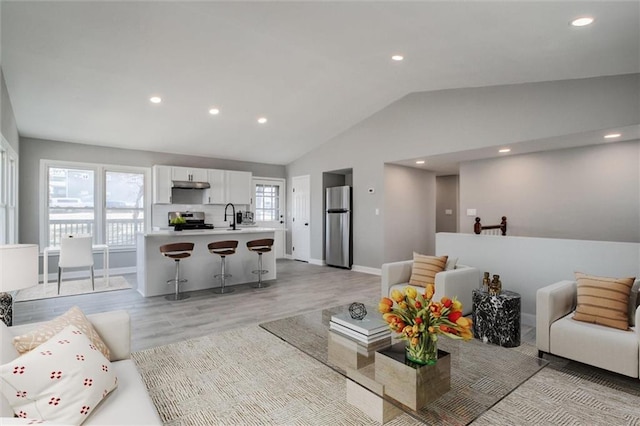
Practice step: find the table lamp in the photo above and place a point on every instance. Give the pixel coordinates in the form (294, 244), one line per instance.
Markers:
(18, 270)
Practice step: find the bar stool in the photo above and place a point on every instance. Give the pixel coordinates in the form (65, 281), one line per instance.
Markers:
(223, 249)
(177, 251)
(260, 246)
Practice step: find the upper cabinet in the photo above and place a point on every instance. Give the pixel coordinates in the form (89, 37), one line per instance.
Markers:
(189, 174)
(227, 186)
(217, 190)
(162, 184)
(238, 185)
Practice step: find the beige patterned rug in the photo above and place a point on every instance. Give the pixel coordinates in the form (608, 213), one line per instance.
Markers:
(70, 288)
(250, 377)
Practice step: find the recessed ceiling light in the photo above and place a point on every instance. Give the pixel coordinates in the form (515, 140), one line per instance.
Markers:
(504, 150)
(155, 99)
(612, 135)
(420, 162)
(214, 111)
(581, 22)
(262, 120)
(397, 57)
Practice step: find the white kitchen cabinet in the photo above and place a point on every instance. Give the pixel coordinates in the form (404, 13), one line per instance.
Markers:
(216, 194)
(162, 184)
(189, 174)
(238, 187)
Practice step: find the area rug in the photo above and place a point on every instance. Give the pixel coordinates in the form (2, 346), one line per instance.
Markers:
(249, 376)
(70, 288)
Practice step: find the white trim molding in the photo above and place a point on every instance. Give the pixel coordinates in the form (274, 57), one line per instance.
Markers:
(320, 262)
(367, 270)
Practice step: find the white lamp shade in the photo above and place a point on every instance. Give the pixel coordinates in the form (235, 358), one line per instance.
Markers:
(18, 266)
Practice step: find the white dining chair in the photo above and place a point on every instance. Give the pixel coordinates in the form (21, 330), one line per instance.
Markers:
(76, 251)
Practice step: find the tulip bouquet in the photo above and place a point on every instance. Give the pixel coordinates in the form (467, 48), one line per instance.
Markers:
(418, 319)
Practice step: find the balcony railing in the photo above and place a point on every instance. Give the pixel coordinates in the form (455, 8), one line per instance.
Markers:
(120, 232)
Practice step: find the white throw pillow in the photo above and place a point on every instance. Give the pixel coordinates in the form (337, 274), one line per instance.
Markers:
(61, 381)
(451, 263)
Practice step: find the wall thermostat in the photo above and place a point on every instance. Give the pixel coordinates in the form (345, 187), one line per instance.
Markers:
(371, 190)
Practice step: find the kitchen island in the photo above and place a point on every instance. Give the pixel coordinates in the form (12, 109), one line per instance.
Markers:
(154, 269)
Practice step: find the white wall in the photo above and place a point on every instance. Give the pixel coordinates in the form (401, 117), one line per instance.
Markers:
(409, 221)
(431, 123)
(7, 119)
(447, 198)
(526, 264)
(590, 193)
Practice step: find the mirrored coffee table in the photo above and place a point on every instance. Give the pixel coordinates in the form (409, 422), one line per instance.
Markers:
(480, 374)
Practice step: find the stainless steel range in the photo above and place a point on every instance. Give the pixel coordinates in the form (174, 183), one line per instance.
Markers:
(188, 220)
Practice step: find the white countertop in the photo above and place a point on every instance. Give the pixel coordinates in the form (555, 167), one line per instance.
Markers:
(221, 231)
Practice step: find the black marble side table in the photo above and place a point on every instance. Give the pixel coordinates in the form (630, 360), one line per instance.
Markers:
(496, 319)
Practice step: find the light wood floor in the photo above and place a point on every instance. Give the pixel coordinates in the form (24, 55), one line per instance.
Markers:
(156, 321)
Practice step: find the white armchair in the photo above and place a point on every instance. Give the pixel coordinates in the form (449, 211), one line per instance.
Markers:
(458, 282)
(604, 347)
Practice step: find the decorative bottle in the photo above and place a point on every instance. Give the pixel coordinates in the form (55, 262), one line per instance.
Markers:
(485, 282)
(495, 287)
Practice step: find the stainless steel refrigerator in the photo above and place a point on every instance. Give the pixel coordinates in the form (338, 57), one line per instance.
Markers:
(338, 227)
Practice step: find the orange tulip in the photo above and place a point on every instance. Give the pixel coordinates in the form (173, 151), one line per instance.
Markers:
(446, 302)
(463, 322)
(383, 308)
(431, 289)
(415, 341)
(385, 305)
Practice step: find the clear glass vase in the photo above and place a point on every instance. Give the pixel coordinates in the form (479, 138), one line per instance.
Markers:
(425, 351)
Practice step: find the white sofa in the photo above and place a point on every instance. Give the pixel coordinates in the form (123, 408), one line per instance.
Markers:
(558, 334)
(458, 282)
(129, 403)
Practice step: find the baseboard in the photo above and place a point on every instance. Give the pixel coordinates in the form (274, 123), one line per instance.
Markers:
(320, 262)
(367, 270)
(528, 319)
(86, 273)
(288, 256)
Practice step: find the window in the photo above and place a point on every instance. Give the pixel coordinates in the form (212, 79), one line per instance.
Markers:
(267, 202)
(107, 202)
(71, 203)
(124, 207)
(8, 194)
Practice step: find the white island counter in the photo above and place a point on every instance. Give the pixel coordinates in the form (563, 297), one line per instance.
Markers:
(154, 269)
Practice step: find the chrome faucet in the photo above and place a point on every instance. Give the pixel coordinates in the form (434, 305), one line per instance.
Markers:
(233, 215)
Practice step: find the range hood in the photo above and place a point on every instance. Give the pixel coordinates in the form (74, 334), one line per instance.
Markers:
(187, 184)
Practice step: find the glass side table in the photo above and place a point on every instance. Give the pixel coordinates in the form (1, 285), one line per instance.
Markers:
(496, 319)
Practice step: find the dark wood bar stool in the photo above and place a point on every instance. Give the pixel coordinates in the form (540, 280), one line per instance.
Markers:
(177, 251)
(223, 249)
(260, 246)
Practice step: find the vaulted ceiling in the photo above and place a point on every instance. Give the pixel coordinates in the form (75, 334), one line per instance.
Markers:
(85, 71)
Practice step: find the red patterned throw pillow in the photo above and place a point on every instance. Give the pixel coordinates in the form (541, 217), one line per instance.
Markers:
(61, 381)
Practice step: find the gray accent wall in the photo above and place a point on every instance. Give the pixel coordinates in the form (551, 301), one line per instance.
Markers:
(447, 198)
(7, 119)
(456, 120)
(588, 193)
(34, 150)
(409, 223)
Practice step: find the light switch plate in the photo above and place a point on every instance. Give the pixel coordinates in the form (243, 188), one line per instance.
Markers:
(448, 212)
(471, 212)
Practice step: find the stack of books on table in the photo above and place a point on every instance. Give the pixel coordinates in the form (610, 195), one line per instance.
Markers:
(368, 331)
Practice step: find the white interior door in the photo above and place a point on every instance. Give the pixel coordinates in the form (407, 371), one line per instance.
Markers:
(301, 215)
(268, 209)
